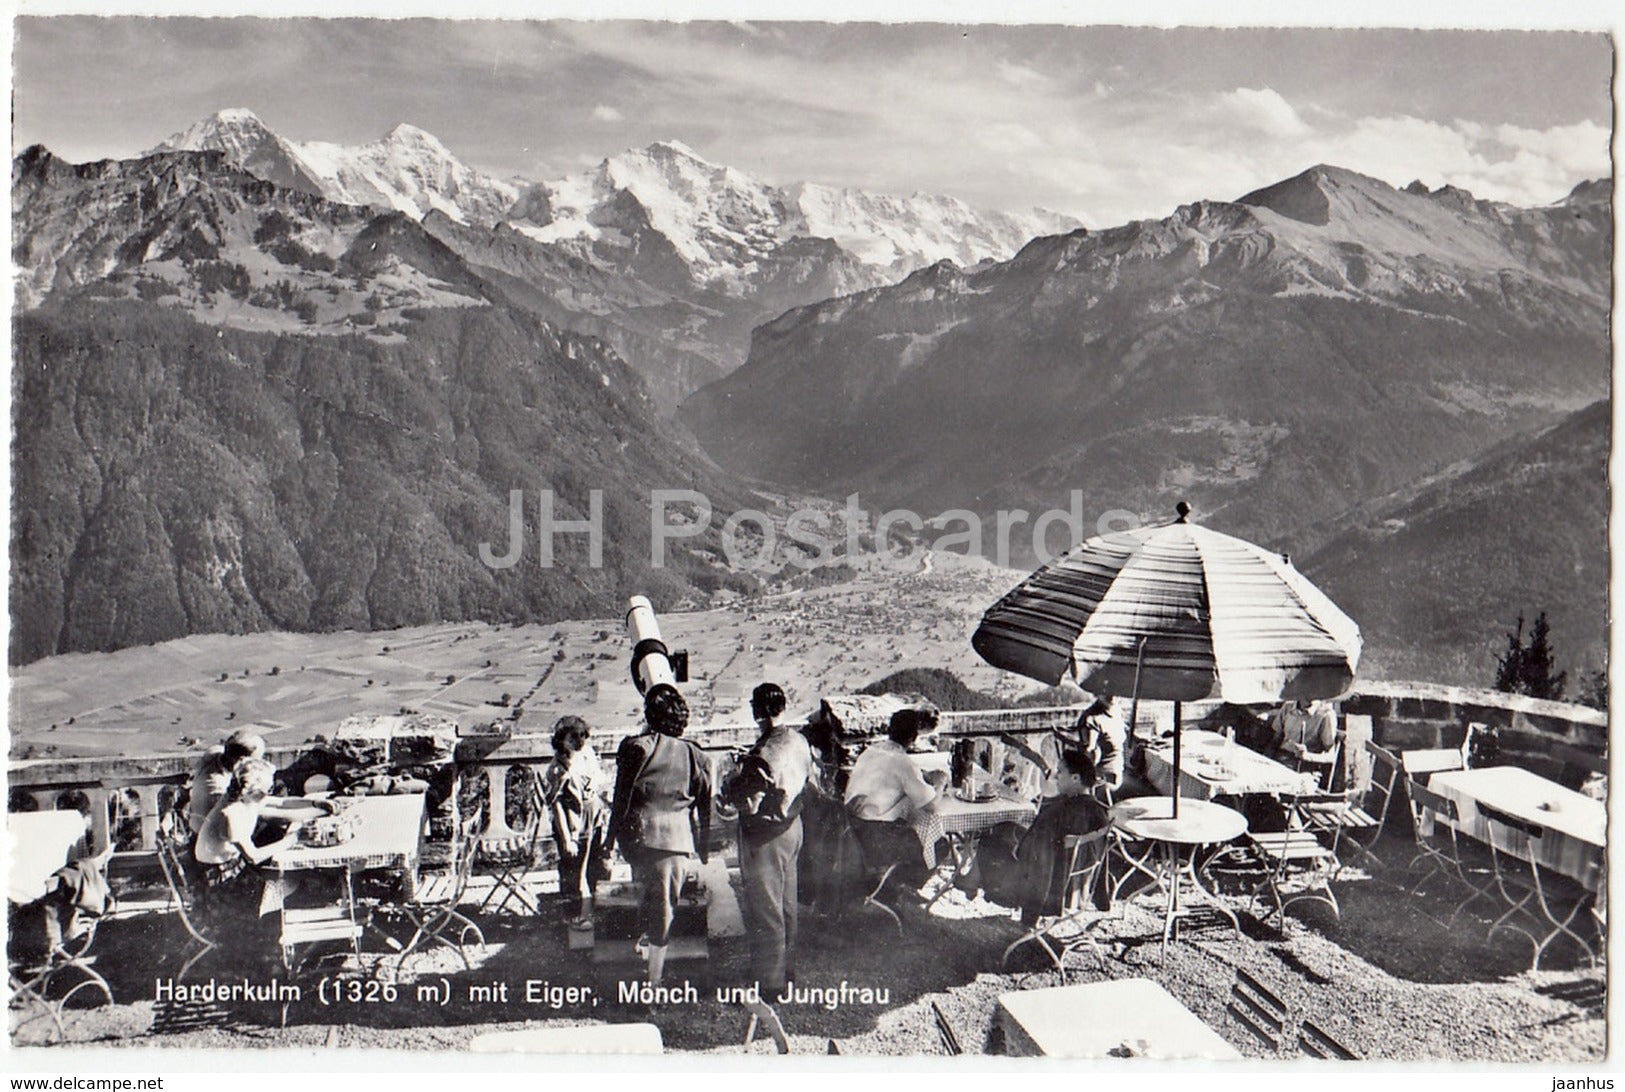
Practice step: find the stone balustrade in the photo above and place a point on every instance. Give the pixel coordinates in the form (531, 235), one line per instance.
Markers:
(1555, 739)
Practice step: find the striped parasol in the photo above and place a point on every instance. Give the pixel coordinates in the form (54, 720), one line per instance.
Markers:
(1177, 613)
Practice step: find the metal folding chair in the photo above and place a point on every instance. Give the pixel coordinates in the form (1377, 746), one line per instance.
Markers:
(306, 927)
(40, 986)
(174, 847)
(433, 909)
(1362, 822)
(1296, 857)
(1071, 929)
(184, 892)
(1515, 848)
(879, 864)
(1325, 772)
(1434, 822)
(513, 854)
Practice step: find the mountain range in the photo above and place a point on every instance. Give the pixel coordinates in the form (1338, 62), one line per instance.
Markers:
(241, 406)
(1282, 361)
(671, 259)
(1442, 569)
(261, 384)
(1273, 360)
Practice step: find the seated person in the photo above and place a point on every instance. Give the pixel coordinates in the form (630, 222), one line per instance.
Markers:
(886, 789)
(1303, 733)
(226, 848)
(212, 776)
(1098, 731)
(1242, 724)
(1027, 868)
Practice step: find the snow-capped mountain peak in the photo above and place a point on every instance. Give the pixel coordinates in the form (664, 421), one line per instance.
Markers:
(234, 121)
(407, 169)
(406, 135)
(719, 222)
(250, 144)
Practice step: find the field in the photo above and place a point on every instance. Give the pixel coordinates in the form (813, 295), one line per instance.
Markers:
(183, 694)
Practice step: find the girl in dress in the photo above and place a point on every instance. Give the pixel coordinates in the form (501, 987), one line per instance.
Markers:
(575, 792)
(226, 849)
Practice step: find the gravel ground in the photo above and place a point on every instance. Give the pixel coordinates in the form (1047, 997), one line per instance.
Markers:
(1388, 980)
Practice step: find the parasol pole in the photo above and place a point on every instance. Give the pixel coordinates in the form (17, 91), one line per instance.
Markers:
(1182, 514)
(1134, 704)
(1176, 760)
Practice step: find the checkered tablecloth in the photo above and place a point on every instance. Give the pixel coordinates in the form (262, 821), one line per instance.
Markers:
(954, 817)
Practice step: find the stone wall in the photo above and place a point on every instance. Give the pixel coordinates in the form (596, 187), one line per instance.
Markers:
(1558, 740)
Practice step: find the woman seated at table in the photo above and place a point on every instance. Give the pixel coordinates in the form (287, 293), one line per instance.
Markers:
(1027, 868)
(226, 847)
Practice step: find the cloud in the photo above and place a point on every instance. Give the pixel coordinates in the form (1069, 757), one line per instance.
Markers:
(1262, 109)
(1582, 147)
(1106, 125)
(1020, 75)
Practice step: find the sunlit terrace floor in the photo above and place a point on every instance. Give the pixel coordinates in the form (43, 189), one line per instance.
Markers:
(1388, 980)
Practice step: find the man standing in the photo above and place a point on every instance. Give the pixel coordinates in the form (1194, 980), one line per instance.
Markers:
(768, 791)
(1101, 734)
(661, 813)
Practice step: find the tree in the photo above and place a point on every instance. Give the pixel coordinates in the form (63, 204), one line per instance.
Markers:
(1594, 689)
(1527, 668)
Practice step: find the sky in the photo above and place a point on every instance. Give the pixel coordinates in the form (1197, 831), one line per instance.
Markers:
(1106, 124)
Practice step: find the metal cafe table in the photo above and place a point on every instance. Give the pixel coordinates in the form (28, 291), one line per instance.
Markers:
(388, 832)
(1216, 766)
(1172, 848)
(1574, 828)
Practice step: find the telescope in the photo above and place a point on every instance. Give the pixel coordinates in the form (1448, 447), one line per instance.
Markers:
(653, 664)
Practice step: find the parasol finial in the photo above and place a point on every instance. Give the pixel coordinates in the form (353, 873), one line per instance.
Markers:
(1183, 510)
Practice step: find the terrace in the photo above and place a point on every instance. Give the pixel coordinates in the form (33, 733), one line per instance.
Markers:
(1388, 979)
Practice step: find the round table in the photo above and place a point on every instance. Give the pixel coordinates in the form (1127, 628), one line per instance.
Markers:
(1173, 844)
